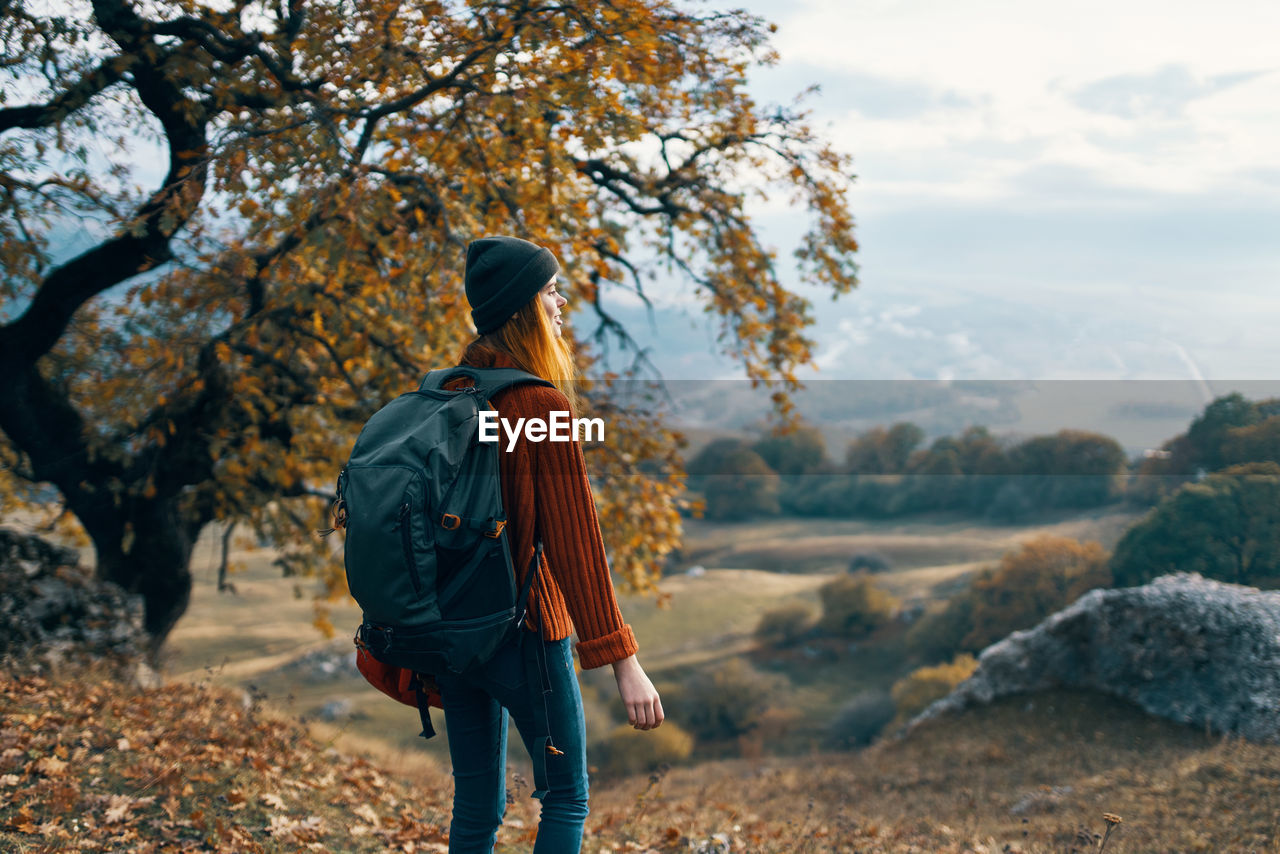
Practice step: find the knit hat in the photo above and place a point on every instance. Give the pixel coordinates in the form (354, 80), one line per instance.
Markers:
(504, 273)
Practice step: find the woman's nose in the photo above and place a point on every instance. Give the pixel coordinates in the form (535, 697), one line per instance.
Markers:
(560, 301)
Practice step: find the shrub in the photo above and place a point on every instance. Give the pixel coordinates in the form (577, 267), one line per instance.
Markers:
(860, 720)
(912, 694)
(872, 562)
(728, 702)
(1045, 575)
(631, 751)
(938, 635)
(785, 624)
(853, 607)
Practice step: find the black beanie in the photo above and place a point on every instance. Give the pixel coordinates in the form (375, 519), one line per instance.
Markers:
(504, 273)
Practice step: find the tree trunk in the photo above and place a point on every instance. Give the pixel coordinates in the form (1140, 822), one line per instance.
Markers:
(153, 560)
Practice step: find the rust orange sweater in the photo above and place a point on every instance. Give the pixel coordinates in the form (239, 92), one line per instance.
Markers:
(546, 493)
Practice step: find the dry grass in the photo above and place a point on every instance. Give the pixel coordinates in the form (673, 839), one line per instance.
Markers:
(1030, 773)
(243, 640)
(930, 540)
(92, 764)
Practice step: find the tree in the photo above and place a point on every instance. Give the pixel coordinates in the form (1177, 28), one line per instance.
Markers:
(793, 449)
(212, 353)
(1043, 576)
(745, 488)
(880, 451)
(1231, 431)
(1211, 428)
(1071, 468)
(1226, 526)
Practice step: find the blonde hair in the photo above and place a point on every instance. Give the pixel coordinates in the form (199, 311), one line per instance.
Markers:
(529, 339)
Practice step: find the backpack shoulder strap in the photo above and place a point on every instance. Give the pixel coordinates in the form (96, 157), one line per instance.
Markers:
(488, 381)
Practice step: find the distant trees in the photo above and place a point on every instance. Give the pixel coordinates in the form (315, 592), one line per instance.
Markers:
(891, 472)
(795, 451)
(735, 481)
(887, 474)
(1230, 431)
(881, 451)
(1226, 526)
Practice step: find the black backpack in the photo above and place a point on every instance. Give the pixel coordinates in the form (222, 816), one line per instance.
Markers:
(427, 557)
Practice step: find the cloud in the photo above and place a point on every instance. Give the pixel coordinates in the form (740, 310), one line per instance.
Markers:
(1164, 92)
(944, 103)
(871, 95)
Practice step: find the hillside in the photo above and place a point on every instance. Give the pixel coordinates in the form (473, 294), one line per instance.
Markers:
(265, 739)
(88, 763)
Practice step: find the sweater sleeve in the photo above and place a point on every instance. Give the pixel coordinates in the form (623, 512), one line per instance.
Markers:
(570, 531)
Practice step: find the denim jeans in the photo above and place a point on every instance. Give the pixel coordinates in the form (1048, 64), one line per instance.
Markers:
(476, 707)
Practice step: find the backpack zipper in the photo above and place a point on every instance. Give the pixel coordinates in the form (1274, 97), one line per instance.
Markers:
(406, 545)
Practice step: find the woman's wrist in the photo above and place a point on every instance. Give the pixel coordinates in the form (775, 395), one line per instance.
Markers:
(625, 664)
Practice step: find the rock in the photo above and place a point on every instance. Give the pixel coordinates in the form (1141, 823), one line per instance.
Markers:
(53, 609)
(336, 710)
(1183, 647)
(331, 662)
(1045, 800)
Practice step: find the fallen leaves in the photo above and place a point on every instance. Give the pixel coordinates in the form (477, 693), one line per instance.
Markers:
(119, 806)
(50, 766)
(101, 767)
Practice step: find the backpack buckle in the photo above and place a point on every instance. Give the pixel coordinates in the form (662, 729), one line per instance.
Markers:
(447, 519)
(498, 525)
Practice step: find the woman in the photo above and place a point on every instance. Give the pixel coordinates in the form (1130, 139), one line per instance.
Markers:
(511, 286)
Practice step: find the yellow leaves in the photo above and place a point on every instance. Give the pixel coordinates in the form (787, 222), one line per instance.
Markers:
(366, 289)
(50, 766)
(120, 806)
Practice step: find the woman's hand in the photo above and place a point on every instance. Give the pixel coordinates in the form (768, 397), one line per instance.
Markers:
(644, 707)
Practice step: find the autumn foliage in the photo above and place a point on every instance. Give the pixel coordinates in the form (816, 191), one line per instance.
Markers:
(205, 347)
(1043, 575)
(96, 765)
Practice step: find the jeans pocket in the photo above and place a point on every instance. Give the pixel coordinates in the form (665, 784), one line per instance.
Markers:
(506, 670)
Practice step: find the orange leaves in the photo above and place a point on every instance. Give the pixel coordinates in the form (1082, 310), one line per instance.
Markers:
(329, 275)
(49, 766)
(246, 783)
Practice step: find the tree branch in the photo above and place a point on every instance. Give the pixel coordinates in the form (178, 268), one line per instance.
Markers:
(74, 97)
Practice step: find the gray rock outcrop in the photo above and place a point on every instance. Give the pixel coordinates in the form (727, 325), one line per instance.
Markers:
(51, 609)
(1183, 647)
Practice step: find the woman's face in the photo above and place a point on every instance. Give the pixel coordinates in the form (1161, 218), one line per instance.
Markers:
(552, 302)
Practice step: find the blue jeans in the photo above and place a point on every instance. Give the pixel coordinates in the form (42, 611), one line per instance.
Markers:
(475, 712)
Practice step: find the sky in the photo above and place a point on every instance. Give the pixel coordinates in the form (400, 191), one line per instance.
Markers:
(1088, 191)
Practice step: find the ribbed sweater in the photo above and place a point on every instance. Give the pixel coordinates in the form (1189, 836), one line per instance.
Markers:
(545, 492)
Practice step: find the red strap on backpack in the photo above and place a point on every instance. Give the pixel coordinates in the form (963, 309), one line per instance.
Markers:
(395, 682)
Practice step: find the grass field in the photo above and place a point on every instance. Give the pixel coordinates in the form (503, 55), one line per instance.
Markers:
(248, 639)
